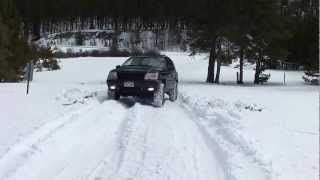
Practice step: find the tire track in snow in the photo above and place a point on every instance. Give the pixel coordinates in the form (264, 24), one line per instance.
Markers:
(67, 149)
(128, 159)
(112, 164)
(18, 154)
(224, 141)
(160, 143)
(108, 141)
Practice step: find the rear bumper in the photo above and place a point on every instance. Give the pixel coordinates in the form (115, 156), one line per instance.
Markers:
(141, 87)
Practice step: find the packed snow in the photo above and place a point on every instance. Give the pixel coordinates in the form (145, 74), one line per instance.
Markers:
(66, 128)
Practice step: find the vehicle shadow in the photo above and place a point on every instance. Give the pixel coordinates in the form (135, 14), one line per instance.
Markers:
(102, 96)
(127, 102)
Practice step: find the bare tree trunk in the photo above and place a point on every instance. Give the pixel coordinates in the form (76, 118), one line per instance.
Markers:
(258, 68)
(137, 39)
(92, 23)
(241, 65)
(156, 38)
(212, 62)
(114, 46)
(219, 59)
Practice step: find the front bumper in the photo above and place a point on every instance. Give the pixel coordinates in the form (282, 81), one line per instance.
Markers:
(141, 87)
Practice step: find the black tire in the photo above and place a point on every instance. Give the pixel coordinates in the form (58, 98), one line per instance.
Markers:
(113, 95)
(158, 96)
(315, 82)
(173, 94)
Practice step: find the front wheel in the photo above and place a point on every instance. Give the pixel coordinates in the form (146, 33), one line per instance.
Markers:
(315, 82)
(173, 94)
(158, 96)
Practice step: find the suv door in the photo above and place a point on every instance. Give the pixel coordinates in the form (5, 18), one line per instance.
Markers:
(172, 74)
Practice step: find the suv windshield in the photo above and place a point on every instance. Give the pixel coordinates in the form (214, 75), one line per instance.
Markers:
(159, 62)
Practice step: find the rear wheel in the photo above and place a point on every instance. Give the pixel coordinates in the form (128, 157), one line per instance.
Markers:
(113, 95)
(173, 94)
(315, 82)
(158, 96)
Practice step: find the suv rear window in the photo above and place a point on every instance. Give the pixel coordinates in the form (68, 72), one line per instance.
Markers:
(146, 61)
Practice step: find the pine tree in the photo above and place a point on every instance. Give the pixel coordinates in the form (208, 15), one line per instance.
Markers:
(303, 18)
(14, 51)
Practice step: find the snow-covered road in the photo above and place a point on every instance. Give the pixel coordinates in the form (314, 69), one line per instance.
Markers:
(67, 129)
(109, 140)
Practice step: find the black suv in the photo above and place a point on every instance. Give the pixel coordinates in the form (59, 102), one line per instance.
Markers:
(144, 76)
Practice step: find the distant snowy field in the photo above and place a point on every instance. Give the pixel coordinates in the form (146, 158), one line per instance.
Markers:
(67, 129)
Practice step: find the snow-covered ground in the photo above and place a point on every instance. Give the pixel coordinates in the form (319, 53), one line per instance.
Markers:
(67, 129)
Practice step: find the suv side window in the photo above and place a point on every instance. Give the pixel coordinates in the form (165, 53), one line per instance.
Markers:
(170, 65)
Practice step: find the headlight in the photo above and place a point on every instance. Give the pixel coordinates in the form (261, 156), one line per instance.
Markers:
(151, 76)
(112, 76)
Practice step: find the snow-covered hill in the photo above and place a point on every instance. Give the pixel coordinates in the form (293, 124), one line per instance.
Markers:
(67, 129)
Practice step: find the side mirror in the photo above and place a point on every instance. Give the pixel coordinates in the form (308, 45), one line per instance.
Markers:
(118, 66)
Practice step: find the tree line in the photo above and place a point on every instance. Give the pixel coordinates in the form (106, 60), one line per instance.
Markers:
(261, 29)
